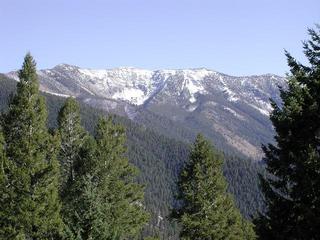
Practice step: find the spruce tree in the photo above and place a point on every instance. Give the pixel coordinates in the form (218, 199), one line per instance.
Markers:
(5, 228)
(206, 210)
(82, 206)
(103, 201)
(72, 136)
(30, 196)
(292, 187)
(121, 197)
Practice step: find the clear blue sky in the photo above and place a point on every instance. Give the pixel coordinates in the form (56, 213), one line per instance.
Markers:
(239, 37)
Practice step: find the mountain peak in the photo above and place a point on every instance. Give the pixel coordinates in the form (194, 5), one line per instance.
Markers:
(65, 66)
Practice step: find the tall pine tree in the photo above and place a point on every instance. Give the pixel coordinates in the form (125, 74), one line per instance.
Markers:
(82, 206)
(122, 198)
(72, 136)
(207, 211)
(292, 188)
(4, 214)
(30, 195)
(103, 201)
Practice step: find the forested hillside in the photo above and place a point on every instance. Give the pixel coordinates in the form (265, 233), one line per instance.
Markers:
(159, 159)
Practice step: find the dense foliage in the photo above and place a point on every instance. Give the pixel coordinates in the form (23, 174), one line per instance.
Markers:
(72, 136)
(206, 210)
(292, 188)
(29, 203)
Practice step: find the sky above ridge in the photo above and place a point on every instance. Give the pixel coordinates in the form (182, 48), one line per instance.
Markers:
(239, 37)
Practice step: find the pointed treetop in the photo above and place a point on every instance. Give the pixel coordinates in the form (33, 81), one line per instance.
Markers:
(28, 76)
(71, 107)
(28, 68)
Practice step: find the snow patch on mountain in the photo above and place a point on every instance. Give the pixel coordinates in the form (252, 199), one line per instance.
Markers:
(234, 113)
(191, 108)
(132, 95)
(261, 110)
(139, 86)
(59, 94)
(193, 88)
(13, 75)
(230, 94)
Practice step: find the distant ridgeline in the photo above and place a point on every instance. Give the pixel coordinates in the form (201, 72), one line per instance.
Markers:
(159, 147)
(232, 111)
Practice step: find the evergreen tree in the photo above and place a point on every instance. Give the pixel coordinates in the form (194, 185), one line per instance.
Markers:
(72, 136)
(82, 208)
(292, 187)
(4, 214)
(30, 195)
(122, 198)
(207, 211)
(103, 201)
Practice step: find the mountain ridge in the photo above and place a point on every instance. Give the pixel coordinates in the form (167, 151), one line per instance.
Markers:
(195, 73)
(233, 111)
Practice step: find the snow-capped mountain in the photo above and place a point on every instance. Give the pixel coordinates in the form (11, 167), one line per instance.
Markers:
(138, 86)
(204, 100)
